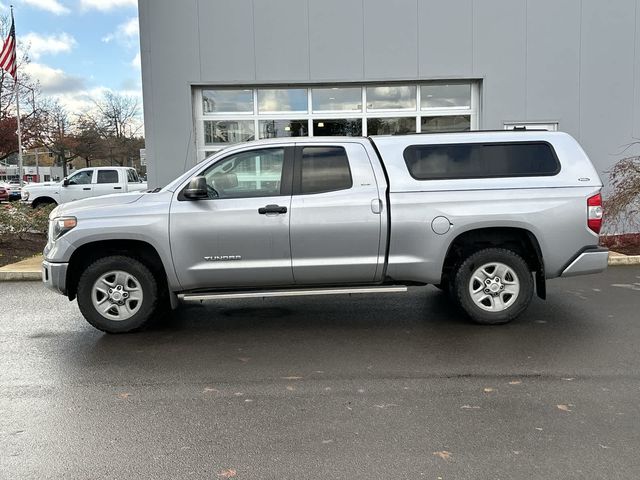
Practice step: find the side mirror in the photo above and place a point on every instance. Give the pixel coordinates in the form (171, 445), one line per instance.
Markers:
(197, 189)
(65, 182)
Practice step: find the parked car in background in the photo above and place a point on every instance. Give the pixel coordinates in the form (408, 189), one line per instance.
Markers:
(84, 183)
(13, 189)
(4, 194)
(487, 216)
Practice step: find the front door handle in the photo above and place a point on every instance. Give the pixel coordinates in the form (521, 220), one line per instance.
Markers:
(117, 188)
(272, 209)
(87, 188)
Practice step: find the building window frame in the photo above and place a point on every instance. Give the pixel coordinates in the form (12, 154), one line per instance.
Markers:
(199, 116)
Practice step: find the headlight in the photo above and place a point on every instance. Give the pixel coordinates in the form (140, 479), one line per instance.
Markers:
(61, 225)
(25, 195)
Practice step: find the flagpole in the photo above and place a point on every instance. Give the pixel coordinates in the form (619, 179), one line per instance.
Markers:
(19, 130)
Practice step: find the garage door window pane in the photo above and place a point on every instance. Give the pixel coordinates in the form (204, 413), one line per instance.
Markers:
(350, 127)
(283, 128)
(282, 100)
(452, 123)
(228, 131)
(214, 101)
(391, 98)
(445, 96)
(389, 126)
(324, 169)
(336, 99)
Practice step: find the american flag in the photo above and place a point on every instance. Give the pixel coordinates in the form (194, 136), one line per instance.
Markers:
(8, 54)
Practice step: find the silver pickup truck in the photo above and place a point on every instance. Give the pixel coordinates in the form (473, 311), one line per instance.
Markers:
(485, 216)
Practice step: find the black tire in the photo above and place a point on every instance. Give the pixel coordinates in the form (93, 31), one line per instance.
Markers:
(148, 285)
(471, 264)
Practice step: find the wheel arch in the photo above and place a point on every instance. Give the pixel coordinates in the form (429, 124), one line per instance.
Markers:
(43, 200)
(89, 252)
(519, 240)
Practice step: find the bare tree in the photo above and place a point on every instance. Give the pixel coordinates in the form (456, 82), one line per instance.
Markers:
(622, 206)
(57, 135)
(115, 120)
(117, 115)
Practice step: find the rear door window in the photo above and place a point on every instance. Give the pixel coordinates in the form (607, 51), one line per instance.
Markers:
(481, 160)
(324, 169)
(107, 176)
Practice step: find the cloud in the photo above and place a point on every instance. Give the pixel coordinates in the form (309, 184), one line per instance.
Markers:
(48, 44)
(125, 32)
(53, 6)
(136, 62)
(105, 5)
(53, 80)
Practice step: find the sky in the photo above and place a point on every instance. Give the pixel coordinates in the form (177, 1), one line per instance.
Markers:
(80, 48)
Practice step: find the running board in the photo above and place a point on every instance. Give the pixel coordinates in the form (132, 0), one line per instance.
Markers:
(200, 297)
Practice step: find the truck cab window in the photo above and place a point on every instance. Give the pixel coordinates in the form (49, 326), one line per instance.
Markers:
(107, 176)
(81, 178)
(255, 173)
(324, 169)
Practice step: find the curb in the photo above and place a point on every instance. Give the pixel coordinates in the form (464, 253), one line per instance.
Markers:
(615, 260)
(10, 276)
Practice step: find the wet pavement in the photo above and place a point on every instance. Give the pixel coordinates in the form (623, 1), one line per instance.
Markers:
(373, 386)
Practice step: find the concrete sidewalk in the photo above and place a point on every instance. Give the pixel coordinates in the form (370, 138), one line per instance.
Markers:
(29, 269)
(26, 270)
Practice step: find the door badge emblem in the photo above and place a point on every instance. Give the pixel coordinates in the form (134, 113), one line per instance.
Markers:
(222, 258)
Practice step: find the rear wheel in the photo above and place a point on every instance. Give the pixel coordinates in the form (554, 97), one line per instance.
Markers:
(493, 286)
(117, 294)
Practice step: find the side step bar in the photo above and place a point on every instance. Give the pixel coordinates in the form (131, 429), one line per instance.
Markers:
(200, 297)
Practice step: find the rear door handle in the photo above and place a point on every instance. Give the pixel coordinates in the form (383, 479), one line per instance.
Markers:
(272, 209)
(117, 188)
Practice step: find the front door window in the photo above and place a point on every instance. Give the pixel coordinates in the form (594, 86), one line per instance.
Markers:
(81, 178)
(256, 173)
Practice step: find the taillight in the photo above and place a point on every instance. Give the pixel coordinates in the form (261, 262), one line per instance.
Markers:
(594, 213)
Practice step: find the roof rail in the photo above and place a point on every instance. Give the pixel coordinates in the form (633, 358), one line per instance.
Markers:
(515, 129)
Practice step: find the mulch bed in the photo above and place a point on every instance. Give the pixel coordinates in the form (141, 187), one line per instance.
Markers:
(14, 249)
(628, 243)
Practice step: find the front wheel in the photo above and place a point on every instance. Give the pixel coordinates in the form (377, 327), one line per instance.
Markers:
(117, 294)
(493, 286)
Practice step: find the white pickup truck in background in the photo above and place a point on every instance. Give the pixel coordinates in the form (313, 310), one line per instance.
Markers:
(84, 183)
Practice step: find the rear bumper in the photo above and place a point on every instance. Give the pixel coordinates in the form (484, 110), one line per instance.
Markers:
(592, 260)
(54, 276)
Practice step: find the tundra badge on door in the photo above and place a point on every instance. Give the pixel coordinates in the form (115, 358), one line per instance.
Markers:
(222, 258)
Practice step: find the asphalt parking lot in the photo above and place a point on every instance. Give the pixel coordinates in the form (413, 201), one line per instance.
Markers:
(389, 386)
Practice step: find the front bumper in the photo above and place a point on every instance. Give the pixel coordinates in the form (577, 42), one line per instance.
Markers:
(54, 276)
(592, 260)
